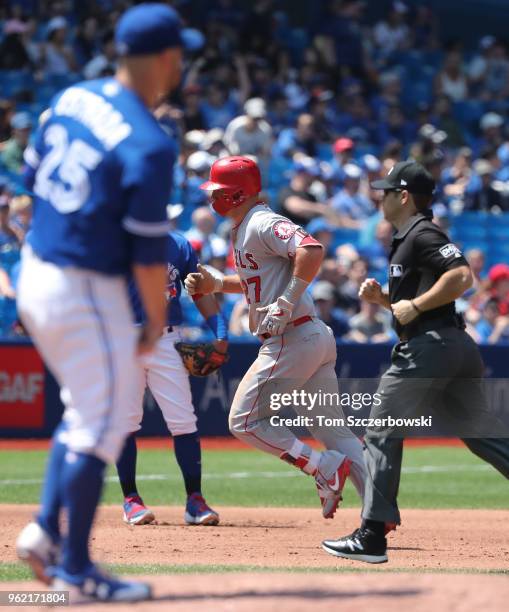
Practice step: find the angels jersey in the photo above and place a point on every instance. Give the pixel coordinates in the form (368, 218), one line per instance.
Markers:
(264, 247)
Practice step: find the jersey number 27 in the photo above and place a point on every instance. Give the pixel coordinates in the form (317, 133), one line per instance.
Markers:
(63, 176)
(256, 283)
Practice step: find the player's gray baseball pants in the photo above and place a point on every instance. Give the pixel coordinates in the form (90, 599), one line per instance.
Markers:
(438, 371)
(303, 358)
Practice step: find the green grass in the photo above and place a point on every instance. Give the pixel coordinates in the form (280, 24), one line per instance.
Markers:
(462, 480)
(11, 572)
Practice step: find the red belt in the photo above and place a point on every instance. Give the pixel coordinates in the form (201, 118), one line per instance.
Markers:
(296, 323)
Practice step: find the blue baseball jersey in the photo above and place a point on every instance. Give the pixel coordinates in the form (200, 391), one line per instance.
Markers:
(181, 260)
(101, 172)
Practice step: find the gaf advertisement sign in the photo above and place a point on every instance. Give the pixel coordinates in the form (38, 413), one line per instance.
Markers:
(21, 387)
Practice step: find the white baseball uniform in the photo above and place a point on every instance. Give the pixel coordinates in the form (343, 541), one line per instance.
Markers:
(303, 357)
(163, 371)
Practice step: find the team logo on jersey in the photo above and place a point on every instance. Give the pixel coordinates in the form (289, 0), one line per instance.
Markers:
(396, 270)
(284, 229)
(173, 279)
(450, 250)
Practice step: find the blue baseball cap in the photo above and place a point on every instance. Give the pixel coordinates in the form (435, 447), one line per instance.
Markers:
(21, 121)
(319, 224)
(307, 165)
(151, 28)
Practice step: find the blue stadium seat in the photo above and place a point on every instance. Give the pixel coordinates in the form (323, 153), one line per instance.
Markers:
(498, 221)
(44, 93)
(343, 235)
(277, 172)
(417, 90)
(468, 112)
(471, 232)
(325, 152)
(467, 245)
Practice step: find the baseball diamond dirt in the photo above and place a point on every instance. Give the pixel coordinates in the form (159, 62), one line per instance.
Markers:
(438, 558)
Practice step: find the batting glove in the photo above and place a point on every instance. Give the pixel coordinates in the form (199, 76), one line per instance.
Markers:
(278, 315)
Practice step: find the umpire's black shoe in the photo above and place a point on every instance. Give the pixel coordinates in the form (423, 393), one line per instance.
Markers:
(361, 545)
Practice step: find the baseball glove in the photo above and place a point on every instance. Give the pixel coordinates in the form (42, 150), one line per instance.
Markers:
(200, 359)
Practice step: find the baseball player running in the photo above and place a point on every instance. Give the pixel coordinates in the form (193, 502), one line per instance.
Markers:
(168, 380)
(100, 169)
(275, 261)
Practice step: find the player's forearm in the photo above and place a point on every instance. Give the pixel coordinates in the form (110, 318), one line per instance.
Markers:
(231, 284)
(307, 262)
(385, 300)
(210, 311)
(207, 305)
(151, 283)
(449, 287)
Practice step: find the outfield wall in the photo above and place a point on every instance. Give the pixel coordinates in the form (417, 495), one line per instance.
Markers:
(30, 406)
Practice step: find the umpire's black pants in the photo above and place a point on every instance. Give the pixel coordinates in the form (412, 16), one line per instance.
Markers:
(440, 372)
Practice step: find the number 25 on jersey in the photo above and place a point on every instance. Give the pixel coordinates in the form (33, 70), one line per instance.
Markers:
(63, 176)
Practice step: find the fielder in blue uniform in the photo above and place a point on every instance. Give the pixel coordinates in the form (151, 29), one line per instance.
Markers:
(168, 380)
(100, 169)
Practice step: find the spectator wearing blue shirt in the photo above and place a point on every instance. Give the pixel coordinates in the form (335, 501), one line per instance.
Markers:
(492, 328)
(323, 231)
(344, 150)
(187, 184)
(350, 202)
(377, 252)
(218, 108)
(301, 139)
(324, 298)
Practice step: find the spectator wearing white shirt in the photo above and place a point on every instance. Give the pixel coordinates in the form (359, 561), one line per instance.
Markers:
(202, 235)
(394, 33)
(105, 63)
(250, 134)
(58, 57)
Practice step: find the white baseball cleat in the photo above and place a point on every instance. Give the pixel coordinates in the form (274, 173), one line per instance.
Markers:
(96, 584)
(330, 478)
(36, 548)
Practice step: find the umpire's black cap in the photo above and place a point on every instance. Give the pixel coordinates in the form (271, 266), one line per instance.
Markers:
(408, 175)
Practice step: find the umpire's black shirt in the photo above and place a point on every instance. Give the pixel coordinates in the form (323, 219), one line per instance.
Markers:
(420, 253)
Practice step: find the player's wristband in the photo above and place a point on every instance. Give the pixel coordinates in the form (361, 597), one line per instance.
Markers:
(294, 289)
(217, 324)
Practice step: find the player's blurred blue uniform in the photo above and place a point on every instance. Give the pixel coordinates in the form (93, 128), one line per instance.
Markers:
(100, 168)
(168, 380)
(181, 260)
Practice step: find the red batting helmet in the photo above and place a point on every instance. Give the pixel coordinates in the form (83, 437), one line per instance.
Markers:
(236, 179)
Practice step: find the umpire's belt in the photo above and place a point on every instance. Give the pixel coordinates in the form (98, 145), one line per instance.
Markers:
(416, 328)
(296, 323)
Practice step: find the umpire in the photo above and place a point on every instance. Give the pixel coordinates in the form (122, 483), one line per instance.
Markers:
(436, 363)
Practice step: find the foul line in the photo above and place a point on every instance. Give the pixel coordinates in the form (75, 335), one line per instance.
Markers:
(423, 469)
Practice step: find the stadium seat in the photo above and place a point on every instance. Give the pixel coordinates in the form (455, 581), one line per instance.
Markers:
(278, 171)
(343, 235)
(468, 112)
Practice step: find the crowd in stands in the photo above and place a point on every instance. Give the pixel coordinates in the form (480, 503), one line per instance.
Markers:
(324, 109)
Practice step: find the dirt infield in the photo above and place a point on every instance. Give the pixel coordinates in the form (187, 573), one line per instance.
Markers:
(317, 592)
(280, 538)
